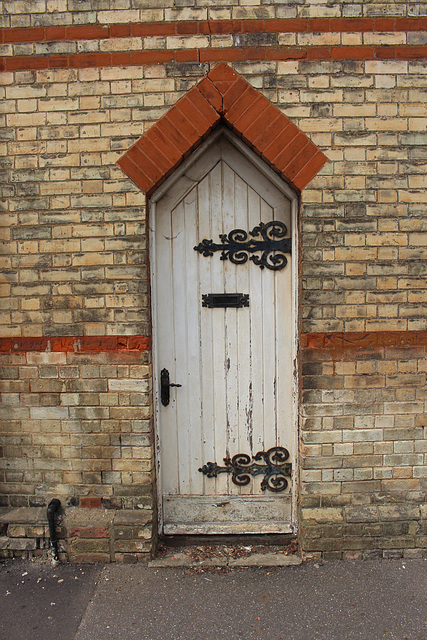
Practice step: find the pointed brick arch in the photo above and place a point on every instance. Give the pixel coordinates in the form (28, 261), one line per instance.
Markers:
(223, 96)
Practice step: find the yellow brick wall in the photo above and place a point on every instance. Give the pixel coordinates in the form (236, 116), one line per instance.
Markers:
(75, 264)
(74, 230)
(17, 13)
(364, 444)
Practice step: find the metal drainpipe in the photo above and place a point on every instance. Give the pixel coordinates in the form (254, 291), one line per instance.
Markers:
(53, 507)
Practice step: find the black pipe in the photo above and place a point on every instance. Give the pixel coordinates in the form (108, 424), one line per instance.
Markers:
(53, 507)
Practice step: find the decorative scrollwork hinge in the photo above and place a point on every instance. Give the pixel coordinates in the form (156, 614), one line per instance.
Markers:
(272, 464)
(236, 246)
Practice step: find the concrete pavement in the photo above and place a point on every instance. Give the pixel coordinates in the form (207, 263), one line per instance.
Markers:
(369, 600)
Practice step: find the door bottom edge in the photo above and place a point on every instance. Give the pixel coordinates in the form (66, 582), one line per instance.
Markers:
(226, 529)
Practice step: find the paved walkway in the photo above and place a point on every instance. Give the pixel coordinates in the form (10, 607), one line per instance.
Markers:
(371, 600)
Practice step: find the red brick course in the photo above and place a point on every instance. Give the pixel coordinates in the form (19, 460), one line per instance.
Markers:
(162, 56)
(308, 341)
(362, 340)
(81, 344)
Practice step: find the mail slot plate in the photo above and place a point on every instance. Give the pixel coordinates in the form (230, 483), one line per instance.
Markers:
(224, 300)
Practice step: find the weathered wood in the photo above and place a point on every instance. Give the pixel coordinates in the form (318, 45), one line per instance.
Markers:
(234, 364)
(232, 514)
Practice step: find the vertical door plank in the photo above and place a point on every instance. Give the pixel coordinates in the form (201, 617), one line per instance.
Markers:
(218, 330)
(192, 309)
(244, 361)
(269, 346)
(207, 202)
(256, 337)
(229, 214)
(165, 326)
(180, 372)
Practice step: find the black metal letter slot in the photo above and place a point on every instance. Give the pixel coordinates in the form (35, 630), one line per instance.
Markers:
(223, 300)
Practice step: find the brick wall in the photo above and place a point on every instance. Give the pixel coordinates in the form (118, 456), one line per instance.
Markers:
(364, 445)
(76, 421)
(81, 82)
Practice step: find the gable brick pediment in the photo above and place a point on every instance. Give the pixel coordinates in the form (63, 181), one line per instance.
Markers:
(223, 96)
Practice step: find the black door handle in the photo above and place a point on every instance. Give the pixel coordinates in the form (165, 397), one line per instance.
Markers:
(165, 386)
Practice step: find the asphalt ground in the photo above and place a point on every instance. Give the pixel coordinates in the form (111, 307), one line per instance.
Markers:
(38, 601)
(369, 600)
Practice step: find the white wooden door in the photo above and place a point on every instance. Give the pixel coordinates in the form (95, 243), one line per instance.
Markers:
(234, 364)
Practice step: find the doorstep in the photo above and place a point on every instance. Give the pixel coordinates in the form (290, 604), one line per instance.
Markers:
(221, 555)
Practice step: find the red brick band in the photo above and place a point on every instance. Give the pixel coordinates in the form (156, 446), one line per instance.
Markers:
(162, 56)
(308, 341)
(77, 344)
(207, 27)
(362, 340)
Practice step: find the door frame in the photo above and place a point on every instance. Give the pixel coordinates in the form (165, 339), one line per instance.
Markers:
(151, 219)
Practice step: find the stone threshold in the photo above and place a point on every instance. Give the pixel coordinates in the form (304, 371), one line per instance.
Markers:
(227, 551)
(253, 560)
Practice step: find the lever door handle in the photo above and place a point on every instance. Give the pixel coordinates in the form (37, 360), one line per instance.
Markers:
(165, 386)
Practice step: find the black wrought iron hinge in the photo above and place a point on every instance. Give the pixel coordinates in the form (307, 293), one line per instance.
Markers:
(272, 464)
(236, 246)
